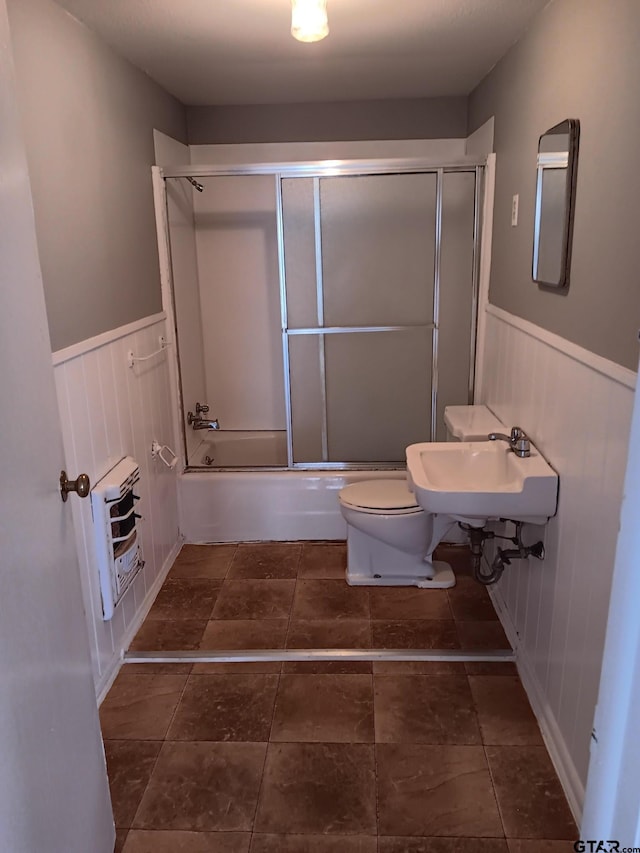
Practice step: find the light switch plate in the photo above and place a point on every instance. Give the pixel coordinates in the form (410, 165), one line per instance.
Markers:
(514, 210)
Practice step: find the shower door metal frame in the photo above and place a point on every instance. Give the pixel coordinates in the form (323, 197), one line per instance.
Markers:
(356, 168)
(321, 331)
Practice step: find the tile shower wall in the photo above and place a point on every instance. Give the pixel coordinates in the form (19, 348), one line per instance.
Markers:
(577, 409)
(109, 410)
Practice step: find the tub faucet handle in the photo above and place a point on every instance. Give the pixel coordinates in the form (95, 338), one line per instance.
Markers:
(201, 409)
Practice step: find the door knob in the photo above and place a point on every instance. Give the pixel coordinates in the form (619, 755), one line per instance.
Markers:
(81, 486)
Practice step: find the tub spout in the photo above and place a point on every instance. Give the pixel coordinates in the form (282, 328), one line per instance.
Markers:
(200, 423)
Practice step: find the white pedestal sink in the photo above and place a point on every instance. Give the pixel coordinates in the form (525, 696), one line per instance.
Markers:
(478, 480)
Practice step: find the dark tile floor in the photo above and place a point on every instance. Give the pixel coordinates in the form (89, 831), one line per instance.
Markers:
(324, 757)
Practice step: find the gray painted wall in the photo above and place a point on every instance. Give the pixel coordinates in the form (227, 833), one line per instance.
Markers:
(88, 118)
(413, 118)
(580, 59)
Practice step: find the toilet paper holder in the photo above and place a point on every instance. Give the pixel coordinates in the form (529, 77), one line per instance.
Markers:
(162, 451)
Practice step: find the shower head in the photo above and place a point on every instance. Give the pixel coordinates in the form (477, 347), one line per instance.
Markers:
(196, 184)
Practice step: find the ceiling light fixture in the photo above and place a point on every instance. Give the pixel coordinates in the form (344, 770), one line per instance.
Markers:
(309, 20)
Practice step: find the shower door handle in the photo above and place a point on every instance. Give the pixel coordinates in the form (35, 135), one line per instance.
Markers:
(81, 486)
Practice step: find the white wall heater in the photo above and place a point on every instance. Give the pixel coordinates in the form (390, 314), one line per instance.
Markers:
(118, 547)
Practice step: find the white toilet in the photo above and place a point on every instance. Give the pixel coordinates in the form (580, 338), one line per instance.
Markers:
(390, 539)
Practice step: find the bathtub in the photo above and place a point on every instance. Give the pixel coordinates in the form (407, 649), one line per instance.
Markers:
(246, 506)
(244, 448)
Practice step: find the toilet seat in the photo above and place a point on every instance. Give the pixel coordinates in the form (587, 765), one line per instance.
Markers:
(390, 538)
(380, 497)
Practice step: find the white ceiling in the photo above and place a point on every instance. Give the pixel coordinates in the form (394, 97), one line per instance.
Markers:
(241, 52)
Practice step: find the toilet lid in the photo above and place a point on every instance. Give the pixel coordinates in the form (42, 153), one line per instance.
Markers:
(379, 494)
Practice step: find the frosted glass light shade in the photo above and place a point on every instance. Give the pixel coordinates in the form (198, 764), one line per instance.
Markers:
(309, 20)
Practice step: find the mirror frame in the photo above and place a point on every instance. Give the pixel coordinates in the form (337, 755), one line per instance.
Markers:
(551, 161)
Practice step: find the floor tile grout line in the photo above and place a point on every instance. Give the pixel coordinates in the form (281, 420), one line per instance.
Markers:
(155, 764)
(161, 741)
(493, 788)
(175, 710)
(266, 754)
(233, 556)
(273, 711)
(293, 601)
(164, 739)
(476, 708)
(375, 757)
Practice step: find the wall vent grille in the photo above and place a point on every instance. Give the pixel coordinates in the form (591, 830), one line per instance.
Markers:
(115, 521)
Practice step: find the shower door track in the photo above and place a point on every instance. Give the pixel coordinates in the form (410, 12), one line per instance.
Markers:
(311, 655)
(324, 168)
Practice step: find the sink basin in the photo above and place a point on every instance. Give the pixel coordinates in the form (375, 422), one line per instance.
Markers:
(479, 480)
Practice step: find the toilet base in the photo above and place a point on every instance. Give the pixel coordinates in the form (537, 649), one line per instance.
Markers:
(443, 578)
(372, 562)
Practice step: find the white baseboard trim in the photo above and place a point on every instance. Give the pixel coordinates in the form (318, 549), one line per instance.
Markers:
(82, 347)
(554, 741)
(596, 362)
(110, 674)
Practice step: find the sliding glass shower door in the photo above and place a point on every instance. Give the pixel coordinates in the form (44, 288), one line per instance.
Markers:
(363, 264)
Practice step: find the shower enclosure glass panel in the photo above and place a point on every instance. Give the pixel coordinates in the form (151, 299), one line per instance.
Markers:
(378, 394)
(359, 267)
(347, 402)
(378, 243)
(308, 411)
(299, 196)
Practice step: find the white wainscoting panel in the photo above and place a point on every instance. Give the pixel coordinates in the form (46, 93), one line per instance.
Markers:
(577, 410)
(109, 410)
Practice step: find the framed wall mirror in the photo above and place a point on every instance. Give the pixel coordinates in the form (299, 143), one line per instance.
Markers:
(555, 200)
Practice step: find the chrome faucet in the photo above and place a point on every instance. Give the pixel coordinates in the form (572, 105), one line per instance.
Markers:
(197, 422)
(518, 441)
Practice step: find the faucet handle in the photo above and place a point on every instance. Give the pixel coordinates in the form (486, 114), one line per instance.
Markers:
(520, 443)
(201, 409)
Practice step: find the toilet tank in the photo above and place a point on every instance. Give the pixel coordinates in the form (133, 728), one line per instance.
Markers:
(470, 423)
